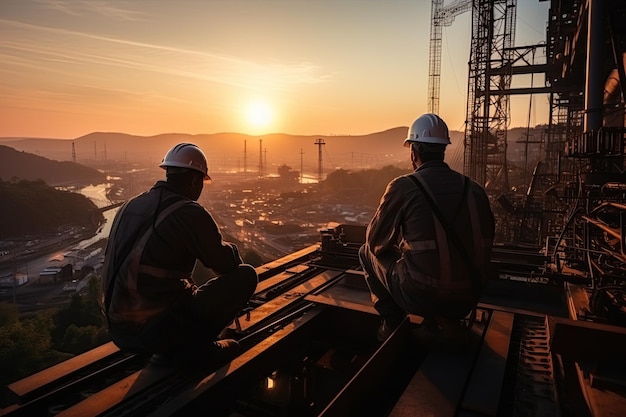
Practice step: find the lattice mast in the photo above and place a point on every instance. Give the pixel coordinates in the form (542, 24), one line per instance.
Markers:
(440, 16)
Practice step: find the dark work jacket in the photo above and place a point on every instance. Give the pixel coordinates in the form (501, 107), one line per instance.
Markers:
(405, 228)
(154, 242)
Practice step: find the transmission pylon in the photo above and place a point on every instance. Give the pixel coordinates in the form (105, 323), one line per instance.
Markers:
(260, 157)
(319, 142)
(301, 166)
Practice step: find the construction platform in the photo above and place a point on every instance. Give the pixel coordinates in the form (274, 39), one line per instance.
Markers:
(310, 349)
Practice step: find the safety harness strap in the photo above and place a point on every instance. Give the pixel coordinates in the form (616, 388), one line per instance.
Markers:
(451, 233)
(134, 255)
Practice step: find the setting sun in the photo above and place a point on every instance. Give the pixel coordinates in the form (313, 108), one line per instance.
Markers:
(259, 114)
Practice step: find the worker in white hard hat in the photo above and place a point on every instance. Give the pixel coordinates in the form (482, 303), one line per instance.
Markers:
(416, 264)
(151, 303)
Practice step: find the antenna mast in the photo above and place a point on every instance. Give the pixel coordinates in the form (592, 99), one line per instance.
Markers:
(440, 16)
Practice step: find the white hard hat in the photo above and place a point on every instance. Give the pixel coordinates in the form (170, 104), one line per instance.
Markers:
(428, 128)
(186, 155)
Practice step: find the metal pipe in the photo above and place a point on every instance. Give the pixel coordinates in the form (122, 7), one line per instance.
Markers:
(608, 204)
(595, 58)
(603, 227)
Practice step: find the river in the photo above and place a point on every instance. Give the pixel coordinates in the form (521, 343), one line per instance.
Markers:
(33, 266)
(98, 195)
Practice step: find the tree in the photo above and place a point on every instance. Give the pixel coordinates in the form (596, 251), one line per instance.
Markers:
(25, 345)
(364, 186)
(9, 314)
(252, 257)
(30, 344)
(82, 315)
(77, 339)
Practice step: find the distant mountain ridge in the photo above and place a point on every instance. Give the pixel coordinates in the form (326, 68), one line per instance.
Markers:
(228, 150)
(119, 146)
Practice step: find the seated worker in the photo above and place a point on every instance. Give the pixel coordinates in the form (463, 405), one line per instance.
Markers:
(410, 264)
(150, 300)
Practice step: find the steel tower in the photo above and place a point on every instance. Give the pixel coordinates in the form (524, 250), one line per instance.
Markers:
(493, 35)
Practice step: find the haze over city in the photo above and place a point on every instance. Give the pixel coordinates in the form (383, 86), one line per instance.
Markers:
(142, 67)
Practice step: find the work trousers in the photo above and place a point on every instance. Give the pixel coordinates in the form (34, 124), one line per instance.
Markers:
(193, 323)
(393, 297)
(379, 276)
(215, 303)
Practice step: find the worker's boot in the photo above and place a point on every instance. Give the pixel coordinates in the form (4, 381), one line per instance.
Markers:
(442, 334)
(218, 353)
(387, 326)
(224, 350)
(384, 331)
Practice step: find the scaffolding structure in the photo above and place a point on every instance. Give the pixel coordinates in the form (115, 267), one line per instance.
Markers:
(487, 116)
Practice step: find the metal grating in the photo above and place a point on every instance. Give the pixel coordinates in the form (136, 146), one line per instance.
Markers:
(529, 386)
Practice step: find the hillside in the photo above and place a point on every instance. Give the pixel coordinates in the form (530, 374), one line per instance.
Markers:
(34, 208)
(26, 166)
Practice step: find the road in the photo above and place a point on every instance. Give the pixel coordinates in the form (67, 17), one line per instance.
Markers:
(34, 295)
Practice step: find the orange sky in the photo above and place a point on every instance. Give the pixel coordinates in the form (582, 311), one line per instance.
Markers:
(147, 67)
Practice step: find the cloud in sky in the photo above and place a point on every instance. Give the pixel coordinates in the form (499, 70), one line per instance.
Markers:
(134, 55)
(85, 8)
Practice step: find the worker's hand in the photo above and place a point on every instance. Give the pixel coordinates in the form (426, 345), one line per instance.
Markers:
(236, 251)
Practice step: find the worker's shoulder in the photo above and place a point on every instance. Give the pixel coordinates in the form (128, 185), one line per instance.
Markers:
(401, 181)
(185, 204)
(187, 211)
